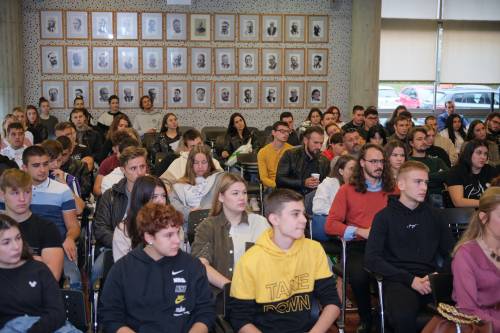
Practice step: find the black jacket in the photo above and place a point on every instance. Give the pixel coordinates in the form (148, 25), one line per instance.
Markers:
(435, 151)
(295, 166)
(231, 143)
(93, 140)
(79, 170)
(168, 295)
(39, 132)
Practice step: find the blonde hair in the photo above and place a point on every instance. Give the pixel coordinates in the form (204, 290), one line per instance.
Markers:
(225, 182)
(189, 175)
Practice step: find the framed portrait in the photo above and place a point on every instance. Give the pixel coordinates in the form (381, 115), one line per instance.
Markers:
(177, 60)
(249, 28)
(102, 60)
(293, 95)
(126, 25)
(272, 28)
(77, 59)
(152, 60)
(102, 25)
(176, 26)
(317, 61)
(201, 94)
(53, 91)
(52, 59)
(248, 61)
(152, 26)
(225, 62)
(271, 62)
(270, 94)
(225, 93)
(317, 31)
(294, 61)
(78, 88)
(248, 95)
(101, 91)
(51, 24)
(201, 60)
(128, 60)
(200, 27)
(77, 25)
(129, 94)
(177, 94)
(224, 25)
(155, 91)
(295, 28)
(316, 94)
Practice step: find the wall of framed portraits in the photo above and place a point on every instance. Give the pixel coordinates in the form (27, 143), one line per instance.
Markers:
(202, 62)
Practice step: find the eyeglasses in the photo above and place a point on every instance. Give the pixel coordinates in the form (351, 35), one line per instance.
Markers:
(283, 131)
(375, 161)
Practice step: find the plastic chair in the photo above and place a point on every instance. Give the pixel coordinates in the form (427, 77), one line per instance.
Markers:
(248, 163)
(74, 305)
(458, 219)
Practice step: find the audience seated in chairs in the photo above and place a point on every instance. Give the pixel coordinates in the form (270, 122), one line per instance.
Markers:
(20, 117)
(148, 120)
(455, 131)
(15, 143)
(353, 141)
(406, 239)
(168, 139)
(85, 134)
(46, 119)
(293, 137)
(358, 120)
(79, 152)
(120, 122)
(402, 125)
(432, 150)
(335, 146)
(106, 119)
(397, 154)
(477, 130)
(237, 135)
(440, 141)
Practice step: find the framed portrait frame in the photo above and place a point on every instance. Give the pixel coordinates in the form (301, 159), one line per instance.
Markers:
(177, 94)
(248, 61)
(177, 26)
(317, 61)
(51, 24)
(295, 28)
(76, 88)
(316, 94)
(224, 27)
(54, 92)
(293, 94)
(225, 94)
(156, 92)
(52, 59)
(129, 94)
(272, 28)
(249, 28)
(77, 59)
(152, 26)
(201, 94)
(126, 26)
(271, 62)
(152, 60)
(177, 60)
(200, 27)
(103, 60)
(77, 25)
(248, 94)
(102, 25)
(270, 94)
(201, 61)
(294, 62)
(101, 91)
(318, 29)
(225, 61)
(128, 60)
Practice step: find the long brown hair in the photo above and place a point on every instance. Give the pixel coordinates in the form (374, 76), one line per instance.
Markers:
(7, 222)
(225, 181)
(114, 124)
(358, 175)
(189, 176)
(339, 164)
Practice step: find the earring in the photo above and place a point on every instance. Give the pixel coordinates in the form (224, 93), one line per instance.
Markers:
(150, 243)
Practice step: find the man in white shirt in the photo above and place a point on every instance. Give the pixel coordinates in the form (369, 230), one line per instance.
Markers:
(15, 138)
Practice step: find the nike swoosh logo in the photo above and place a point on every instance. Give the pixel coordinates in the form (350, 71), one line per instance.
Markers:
(175, 273)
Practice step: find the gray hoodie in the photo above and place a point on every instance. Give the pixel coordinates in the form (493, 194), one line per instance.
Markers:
(144, 121)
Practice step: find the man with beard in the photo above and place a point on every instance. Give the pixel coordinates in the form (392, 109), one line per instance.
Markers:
(303, 168)
(493, 128)
(352, 141)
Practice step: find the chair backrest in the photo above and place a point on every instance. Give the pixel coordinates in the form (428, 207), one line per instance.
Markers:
(184, 129)
(308, 202)
(442, 288)
(195, 218)
(458, 219)
(226, 290)
(210, 133)
(74, 304)
(247, 158)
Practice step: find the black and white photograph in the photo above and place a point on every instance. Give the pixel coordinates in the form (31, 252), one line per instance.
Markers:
(248, 95)
(225, 61)
(224, 27)
(129, 94)
(101, 91)
(271, 62)
(52, 60)
(177, 94)
(317, 61)
(77, 59)
(126, 25)
(294, 61)
(200, 27)
(316, 94)
(177, 60)
(201, 60)
(154, 89)
(293, 94)
(201, 94)
(53, 91)
(270, 95)
(225, 93)
(248, 61)
(78, 88)
(77, 26)
(102, 60)
(176, 26)
(295, 28)
(152, 26)
(51, 25)
(318, 29)
(128, 60)
(102, 25)
(249, 28)
(152, 60)
(272, 28)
